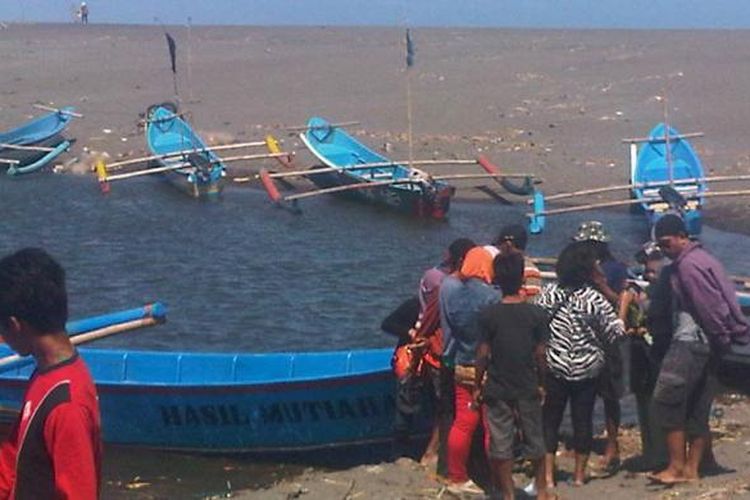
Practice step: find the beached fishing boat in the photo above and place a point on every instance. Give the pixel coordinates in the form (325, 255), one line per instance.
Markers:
(212, 402)
(373, 177)
(198, 171)
(667, 175)
(35, 144)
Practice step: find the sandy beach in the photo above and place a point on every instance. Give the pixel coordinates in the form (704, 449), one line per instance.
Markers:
(553, 103)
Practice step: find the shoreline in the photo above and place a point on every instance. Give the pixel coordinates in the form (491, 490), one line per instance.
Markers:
(405, 478)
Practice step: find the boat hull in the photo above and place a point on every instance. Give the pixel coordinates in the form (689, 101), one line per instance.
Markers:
(167, 133)
(400, 198)
(45, 131)
(306, 412)
(336, 149)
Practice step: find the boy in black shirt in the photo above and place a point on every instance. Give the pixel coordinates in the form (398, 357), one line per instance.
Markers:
(512, 354)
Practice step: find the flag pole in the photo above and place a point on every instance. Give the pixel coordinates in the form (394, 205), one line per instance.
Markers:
(190, 58)
(409, 114)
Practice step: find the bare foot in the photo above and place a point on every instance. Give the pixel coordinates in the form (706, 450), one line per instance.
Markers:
(669, 477)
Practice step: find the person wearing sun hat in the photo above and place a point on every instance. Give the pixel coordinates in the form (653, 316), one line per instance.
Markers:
(610, 385)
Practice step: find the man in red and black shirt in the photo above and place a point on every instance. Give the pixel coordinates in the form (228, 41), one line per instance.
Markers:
(54, 449)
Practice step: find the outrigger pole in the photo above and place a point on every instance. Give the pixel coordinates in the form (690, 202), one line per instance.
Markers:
(58, 110)
(270, 143)
(301, 128)
(104, 178)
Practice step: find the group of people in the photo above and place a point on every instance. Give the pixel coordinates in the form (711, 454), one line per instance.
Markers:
(490, 345)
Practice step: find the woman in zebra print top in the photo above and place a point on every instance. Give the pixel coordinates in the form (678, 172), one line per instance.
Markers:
(582, 321)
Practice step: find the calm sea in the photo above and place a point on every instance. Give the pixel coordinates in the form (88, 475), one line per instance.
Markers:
(241, 275)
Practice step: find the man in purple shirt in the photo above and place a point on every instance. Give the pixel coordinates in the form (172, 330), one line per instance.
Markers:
(707, 320)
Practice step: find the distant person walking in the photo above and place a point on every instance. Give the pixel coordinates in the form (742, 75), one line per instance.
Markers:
(84, 13)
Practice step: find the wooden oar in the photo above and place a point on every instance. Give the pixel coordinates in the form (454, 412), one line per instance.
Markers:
(57, 110)
(646, 185)
(15, 361)
(319, 127)
(176, 154)
(25, 148)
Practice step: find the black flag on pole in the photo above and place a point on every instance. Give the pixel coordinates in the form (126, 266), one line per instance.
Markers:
(172, 52)
(409, 49)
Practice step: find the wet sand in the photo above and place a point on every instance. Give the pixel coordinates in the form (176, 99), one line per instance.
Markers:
(553, 103)
(406, 479)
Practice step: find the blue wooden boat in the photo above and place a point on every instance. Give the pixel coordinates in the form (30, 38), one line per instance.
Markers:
(44, 131)
(197, 172)
(411, 191)
(256, 403)
(667, 160)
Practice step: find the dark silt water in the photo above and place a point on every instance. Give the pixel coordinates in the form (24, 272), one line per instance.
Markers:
(241, 275)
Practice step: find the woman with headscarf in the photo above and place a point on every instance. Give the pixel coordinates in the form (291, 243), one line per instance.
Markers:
(463, 295)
